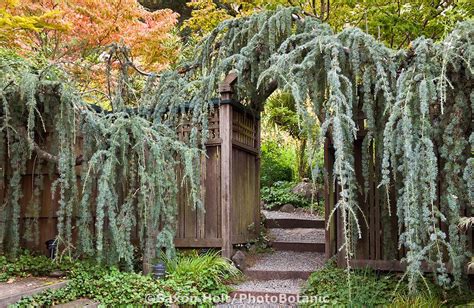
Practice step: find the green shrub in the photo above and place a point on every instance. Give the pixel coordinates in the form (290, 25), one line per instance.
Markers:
(419, 301)
(108, 286)
(281, 193)
(366, 288)
(277, 163)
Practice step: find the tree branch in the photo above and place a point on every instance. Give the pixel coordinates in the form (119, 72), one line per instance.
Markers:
(42, 153)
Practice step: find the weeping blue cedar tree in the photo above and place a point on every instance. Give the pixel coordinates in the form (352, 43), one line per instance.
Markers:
(417, 104)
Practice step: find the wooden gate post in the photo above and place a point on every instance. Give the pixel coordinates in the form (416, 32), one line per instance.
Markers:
(225, 127)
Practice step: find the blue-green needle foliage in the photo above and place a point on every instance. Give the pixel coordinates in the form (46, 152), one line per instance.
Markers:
(417, 104)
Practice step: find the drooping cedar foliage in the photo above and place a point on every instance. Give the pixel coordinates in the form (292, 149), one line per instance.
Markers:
(416, 106)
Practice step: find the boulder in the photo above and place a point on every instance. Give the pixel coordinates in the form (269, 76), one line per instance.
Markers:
(239, 260)
(306, 190)
(57, 274)
(252, 249)
(287, 208)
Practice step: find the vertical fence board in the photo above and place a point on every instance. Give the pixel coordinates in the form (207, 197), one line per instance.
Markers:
(211, 200)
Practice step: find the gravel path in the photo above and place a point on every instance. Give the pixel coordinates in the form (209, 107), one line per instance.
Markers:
(294, 215)
(274, 286)
(249, 304)
(297, 235)
(289, 261)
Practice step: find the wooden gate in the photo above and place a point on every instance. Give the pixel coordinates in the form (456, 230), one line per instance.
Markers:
(231, 177)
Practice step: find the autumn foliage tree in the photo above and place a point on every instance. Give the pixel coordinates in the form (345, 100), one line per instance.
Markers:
(17, 30)
(68, 31)
(396, 23)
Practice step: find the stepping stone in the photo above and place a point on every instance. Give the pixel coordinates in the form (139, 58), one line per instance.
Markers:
(12, 292)
(285, 265)
(297, 239)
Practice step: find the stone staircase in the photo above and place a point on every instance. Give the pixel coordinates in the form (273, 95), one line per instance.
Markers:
(276, 278)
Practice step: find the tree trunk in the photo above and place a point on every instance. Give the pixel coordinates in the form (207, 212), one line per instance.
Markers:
(149, 251)
(301, 159)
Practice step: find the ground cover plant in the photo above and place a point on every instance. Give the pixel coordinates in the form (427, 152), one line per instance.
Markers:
(189, 274)
(28, 265)
(369, 288)
(416, 103)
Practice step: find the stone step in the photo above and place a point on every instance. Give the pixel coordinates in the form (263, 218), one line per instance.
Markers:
(272, 292)
(285, 265)
(267, 275)
(297, 235)
(250, 304)
(297, 239)
(262, 299)
(301, 215)
(298, 246)
(290, 223)
(11, 292)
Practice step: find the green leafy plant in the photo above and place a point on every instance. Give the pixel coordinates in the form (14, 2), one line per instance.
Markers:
(277, 163)
(280, 193)
(262, 243)
(369, 289)
(418, 301)
(108, 286)
(205, 273)
(188, 275)
(30, 265)
(366, 288)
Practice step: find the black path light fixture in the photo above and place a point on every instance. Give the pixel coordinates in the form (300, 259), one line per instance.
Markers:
(52, 246)
(159, 270)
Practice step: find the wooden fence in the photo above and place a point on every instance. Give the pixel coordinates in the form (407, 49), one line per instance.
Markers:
(230, 190)
(230, 177)
(378, 247)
